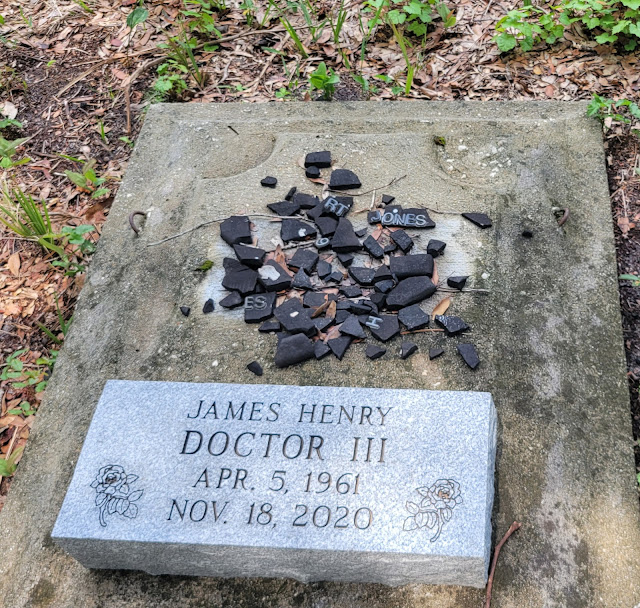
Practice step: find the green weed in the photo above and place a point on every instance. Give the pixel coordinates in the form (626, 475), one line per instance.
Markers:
(88, 181)
(324, 81)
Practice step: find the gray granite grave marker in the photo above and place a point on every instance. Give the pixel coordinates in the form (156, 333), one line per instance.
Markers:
(312, 483)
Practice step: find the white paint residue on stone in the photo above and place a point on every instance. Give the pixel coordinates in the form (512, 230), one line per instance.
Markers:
(302, 232)
(293, 314)
(268, 273)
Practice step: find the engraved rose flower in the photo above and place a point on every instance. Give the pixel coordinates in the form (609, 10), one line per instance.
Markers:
(435, 508)
(114, 494)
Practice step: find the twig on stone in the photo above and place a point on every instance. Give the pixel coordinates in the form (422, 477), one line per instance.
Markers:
(564, 218)
(421, 331)
(393, 181)
(514, 526)
(132, 223)
(466, 290)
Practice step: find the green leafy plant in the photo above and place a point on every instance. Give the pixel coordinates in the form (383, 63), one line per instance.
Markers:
(200, 16)
(414, 16)
(324, 80)
(64, 329)
(9, 464)
(180, 65)
(74, 235)
(516, 28)
(20, 376)
(8, 149)
(10, 122)
(88, 181)
(29, 219)
(137, 16)
(635, 279)
(608, 110)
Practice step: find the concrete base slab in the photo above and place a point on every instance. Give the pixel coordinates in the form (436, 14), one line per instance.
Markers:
(548, 333)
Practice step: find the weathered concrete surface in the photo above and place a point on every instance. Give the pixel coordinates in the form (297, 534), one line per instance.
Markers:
(548, 334)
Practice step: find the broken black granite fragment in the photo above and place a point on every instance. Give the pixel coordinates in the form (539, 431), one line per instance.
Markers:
(527, 234)
(340, 345)
(435, 247)
(482, 220)
(346, 259)
(378, 299)
(321, 349)
(301, 280)
(335, 277)
(402, 240)
(312, 172)
(294, 349)
(435, 353)
(387, 199)
(394, 215)
(305, 201)
(295, 318)
(390, 248)
(305, 259)
(236, 229)
(344, 239)
(360, 233)
(382, 274)
(249, 256)
(318, 159)
(208, 306)
(284, 208)
(362, 275)
(324, 269)
(384, 286)
(351, 291)
(233, 300)
(457, 282)
(274, 277)
(417, 265)
(386, 328)
(469, 354)
(373, 248)
(351, 327)
(322, 323)
(268, 182)
(185, 310)
(255, 367)
(259, 307)
(270, 326)
(407, 349)
(290, 194)
(341, 316)
(374, 351)
(413, 317)
(410, 291)
(343, 179)
(337, 206)
(239, 277)
(295, 230)
(326, 225)
(452, 325)
(314, 299)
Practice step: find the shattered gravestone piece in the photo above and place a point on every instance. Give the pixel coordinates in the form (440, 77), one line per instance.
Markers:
(323, 243)
(435, 247)
(346, 259)
(324, 269)
(362, 275)
(301, 280)
(203, 487)
(284, 208)
(482, 220)
(295, 318)
(457, 282)
(236, 229)
(312, 172)
(373, 248)
(326, 225)
(469, 354)
(344, 179)
(344, 238)
(304, 259)
(249, 256)
(270, 326)
(413, 317)
(269, 182)
(273, 277)
(351, 291)
(255, 368)
(294, 349)
(374, 351)
(340, 345)
(407, 349)
(434, 353)
(321, 349)
(208, 307)
(402, 240)
(295, 230)
(351, 327)
(322, 160)
(386, 329)
(417, 265)
(185, 310)
(233, 300)
(239, 277)
(290, 194)
(410, 291)
(397, 216)
(332, 206)
(387, 199)
(452, 325)
(305, 201)
(259, 307)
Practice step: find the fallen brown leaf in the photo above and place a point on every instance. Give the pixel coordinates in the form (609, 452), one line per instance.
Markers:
(441, 308)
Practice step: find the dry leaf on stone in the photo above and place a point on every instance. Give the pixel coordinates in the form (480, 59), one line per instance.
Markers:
(441, 308)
